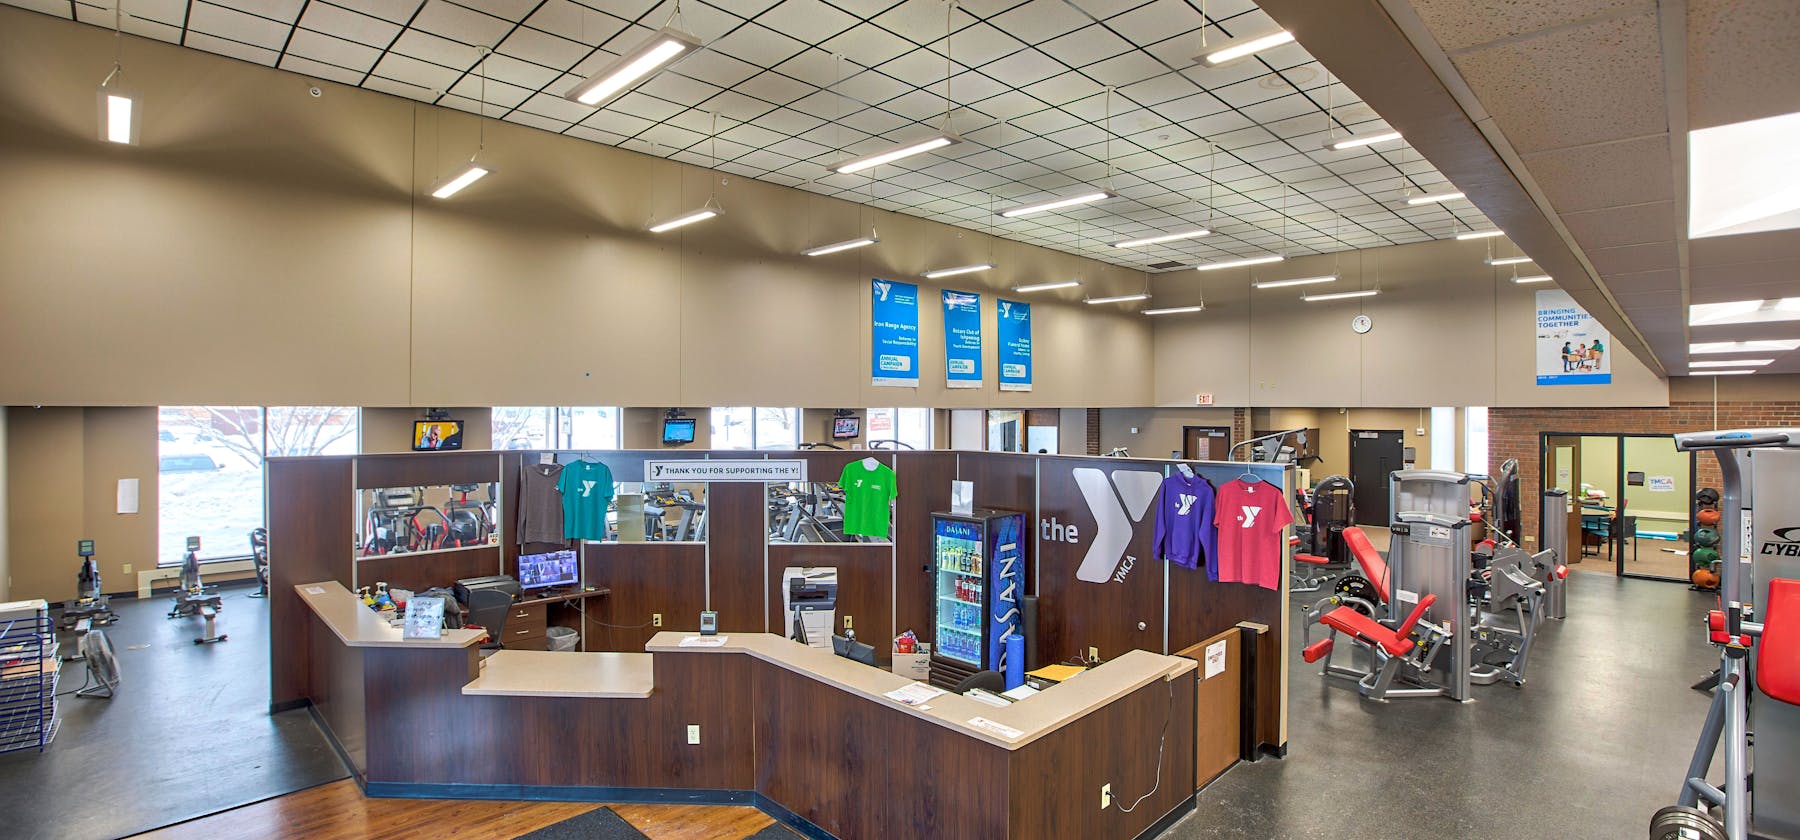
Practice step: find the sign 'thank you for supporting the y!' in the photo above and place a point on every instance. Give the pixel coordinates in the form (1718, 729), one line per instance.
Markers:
(760, 471)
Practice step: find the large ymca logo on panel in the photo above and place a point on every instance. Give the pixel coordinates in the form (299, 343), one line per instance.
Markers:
(1115, 504)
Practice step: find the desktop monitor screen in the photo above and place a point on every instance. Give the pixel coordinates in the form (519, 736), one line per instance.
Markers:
(845, 428)
(678, 430)
(432, 435)
(557, 568)
(853, 650)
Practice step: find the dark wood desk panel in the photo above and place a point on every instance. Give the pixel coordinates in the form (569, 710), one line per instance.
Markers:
(419, 571)
(1074, 615)
(924, 483)
(1055, 786)
(860, 769)
(644, 579)
(737, 519)
(415, 469)
(310, 533)
(865, 588)
(418, 718)
(334, 682)
(1219, 743)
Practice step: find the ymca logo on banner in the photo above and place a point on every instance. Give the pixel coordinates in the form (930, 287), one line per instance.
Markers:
(1115, 504)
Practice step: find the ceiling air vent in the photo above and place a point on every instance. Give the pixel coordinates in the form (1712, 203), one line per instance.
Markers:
(1163, 266)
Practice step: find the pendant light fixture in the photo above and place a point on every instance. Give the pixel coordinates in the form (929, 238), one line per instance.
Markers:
(667, 46)
(1174, 310)
(1433, 198)
(1507, 260)
(1119, 298)
(1167, 237)
(1236, 48)
(944, 138)
(1360, 293)
(855, 242)
(1087, 197)
(1480, 234)
(119, 108)
(472, 171)
(711, 208)
(1337, 144)
(1045, 287)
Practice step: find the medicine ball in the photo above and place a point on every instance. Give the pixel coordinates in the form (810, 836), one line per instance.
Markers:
(1705, 579)
(1706, 497)
(1709, 517)
(1706, 537)
(1704, 558)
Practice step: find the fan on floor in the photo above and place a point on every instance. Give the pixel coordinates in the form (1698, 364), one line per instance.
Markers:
(102, 667)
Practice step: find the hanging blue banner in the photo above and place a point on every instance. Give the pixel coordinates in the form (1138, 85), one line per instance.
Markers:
(962, 339)
(1014, 338)
(894, 334)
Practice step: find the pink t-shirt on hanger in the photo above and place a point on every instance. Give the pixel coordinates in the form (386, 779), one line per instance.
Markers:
(1250, 516)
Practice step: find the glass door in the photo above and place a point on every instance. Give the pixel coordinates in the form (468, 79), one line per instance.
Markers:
(1656, 495)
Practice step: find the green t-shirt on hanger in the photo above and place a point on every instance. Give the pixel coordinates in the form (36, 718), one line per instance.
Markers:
(867, 495)
(587, 488)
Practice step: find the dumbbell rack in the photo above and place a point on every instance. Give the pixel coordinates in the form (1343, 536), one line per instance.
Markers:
(28, 672)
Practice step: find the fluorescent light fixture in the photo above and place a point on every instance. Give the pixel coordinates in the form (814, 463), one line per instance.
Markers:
(118, 116)
(1353, 141)
(835, 247)
(1118, 298)
(952, 272)
(1725, 373)
(1272, 258)
(1239, 48)
(1480, 234)
(904, 150)
(1778, 345)
(1433, 198)
(1167, 237)
(1299, 281)
(685, 219)
(1744, 177)
(662, 49)
(1727, 363)
(1056, 204)
(1045, 287)
(1535, 278)
(1744, 312)
(1173, 310)
(1341, 295)
(468, 175)
(1507, 260)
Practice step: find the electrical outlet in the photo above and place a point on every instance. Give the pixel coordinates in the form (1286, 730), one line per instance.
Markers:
(1105, 796)
(1093, 654)
(127, 568)
(656, 619)
(693, 733)
(846, 622)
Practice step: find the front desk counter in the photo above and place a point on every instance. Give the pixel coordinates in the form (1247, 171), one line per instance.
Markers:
(808, 736)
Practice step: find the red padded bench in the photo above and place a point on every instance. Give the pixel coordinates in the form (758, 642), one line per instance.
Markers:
(1348, 620)
(1778, 657)
(1374, 568)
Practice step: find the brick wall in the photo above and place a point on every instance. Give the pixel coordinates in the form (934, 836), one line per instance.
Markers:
(1240, 427)
(1513, 433)
(1093, 431)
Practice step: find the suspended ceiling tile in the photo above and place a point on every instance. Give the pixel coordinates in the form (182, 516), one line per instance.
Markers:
(1635, 224)
(1636, 171)
(1661, 280)
(1632, 258)
(1743, 60)
(1459, 24)
(1749, 247)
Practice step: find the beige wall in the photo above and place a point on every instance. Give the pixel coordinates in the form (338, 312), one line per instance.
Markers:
(1335, 425)
(389, 429)
(1158, 429)
(1734, 388)
(642, 428)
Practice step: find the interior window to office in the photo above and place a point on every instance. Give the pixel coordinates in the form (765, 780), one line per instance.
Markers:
(749, 427)
(909, 426)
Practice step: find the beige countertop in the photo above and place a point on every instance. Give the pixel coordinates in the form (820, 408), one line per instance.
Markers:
(358, 626)
(546, 673)
(1033, 717)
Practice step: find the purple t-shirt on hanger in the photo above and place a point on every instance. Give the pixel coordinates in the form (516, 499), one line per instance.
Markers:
(1185, 533)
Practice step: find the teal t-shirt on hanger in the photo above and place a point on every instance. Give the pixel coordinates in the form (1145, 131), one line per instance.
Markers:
(587, 488)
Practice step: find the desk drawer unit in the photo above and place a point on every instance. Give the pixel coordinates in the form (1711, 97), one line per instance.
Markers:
(525, 628)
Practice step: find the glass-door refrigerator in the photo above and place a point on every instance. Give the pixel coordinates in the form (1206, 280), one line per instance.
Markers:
(978, 564)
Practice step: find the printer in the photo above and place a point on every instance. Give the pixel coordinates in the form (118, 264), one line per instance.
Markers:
(505, 583)
(809, 604)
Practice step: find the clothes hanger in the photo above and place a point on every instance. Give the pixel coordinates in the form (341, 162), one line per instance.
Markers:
(870, 463)
(1249, 477)
(1185, 470)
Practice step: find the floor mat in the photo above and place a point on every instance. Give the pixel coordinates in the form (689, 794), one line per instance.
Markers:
(775, 831)
(598, 824)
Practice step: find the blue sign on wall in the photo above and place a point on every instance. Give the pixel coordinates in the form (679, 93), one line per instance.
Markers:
(894, 334)
(962, 339)
(1014, 337)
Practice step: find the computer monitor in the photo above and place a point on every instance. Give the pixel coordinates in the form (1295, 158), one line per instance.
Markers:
(435, 435)
(845, 428)
(853, 650)
(542, 571)
(678, 430)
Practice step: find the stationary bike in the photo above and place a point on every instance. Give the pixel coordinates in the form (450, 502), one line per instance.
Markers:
(259, 556)
(90, 603)
(192, 597)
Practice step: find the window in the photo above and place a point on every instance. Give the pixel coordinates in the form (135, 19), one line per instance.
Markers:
(556, 427)
(209, 472)
(1443, 438)
(746, 427)
(1475, 440)
(1005, 430)
(910, 426)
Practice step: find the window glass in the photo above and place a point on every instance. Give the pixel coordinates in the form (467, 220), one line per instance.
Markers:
(1475, 439)
(524, 427)
(732, 428)
(590, 427)
(296, 430)
(1006, 430)
(1443, 438)
(777, 428)
(910, 426)
(209, 479)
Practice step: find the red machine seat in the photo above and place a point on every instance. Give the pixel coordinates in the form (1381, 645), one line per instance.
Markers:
(1314, 559)
(1316, 651)
(1375, 568)
(1715, 626)
(1395, 641)
(1778, 657)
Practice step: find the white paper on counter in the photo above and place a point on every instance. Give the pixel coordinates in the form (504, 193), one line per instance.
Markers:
(704, 641)
(915, 694)
(995, 728)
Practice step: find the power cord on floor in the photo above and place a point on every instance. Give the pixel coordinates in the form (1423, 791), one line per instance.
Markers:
(1161, 742)
(623, 626)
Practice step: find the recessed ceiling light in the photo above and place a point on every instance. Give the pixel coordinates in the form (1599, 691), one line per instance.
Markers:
(1272, 258)
(1341, 295)
(1045, 287)
(1118, 298)
(686, 219)
(1743, 177)
(1302, 281)
(1056, 204)
(1173, 310)
(661, 49)
(904, 150)
(1507, 260)
(1535, 278)
(1778, 345)
(1725, 373)
(1433, 198)
(1353, 141)
(1480, 234)
(1744, 312)
(1725, 363)
(1242, 47)
(835, 247)
(1167, 237)
(952, 272)
(464, 177)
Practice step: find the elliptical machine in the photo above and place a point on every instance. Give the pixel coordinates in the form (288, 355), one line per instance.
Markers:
(259, 556)
(192, 597)
(467, 523)
(90, 603)
(1328, 510)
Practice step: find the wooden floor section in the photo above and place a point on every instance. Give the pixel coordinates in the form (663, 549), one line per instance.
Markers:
(339, 811)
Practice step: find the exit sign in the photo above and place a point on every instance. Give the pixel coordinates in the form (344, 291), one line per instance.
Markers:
(1203, 399)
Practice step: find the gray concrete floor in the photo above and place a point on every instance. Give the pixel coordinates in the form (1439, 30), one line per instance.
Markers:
(188, 734)
(1593, 744)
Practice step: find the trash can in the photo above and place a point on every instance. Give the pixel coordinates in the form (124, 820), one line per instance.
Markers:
(563, 638)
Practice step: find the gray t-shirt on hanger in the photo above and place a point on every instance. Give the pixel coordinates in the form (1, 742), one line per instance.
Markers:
(540, 504)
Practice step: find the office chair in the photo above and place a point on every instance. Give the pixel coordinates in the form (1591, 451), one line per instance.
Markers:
(488, 608)
(990, 681)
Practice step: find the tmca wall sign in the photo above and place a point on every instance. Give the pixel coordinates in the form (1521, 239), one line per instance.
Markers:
(1116, 503)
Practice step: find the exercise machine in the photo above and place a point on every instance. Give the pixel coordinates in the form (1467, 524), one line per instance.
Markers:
(90, 604)
(1326, 511)
(193, 598)
(1757, 631)
(1399, 651)
(400, 521)
(259, 557)
(467, 523)
(810, 512)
